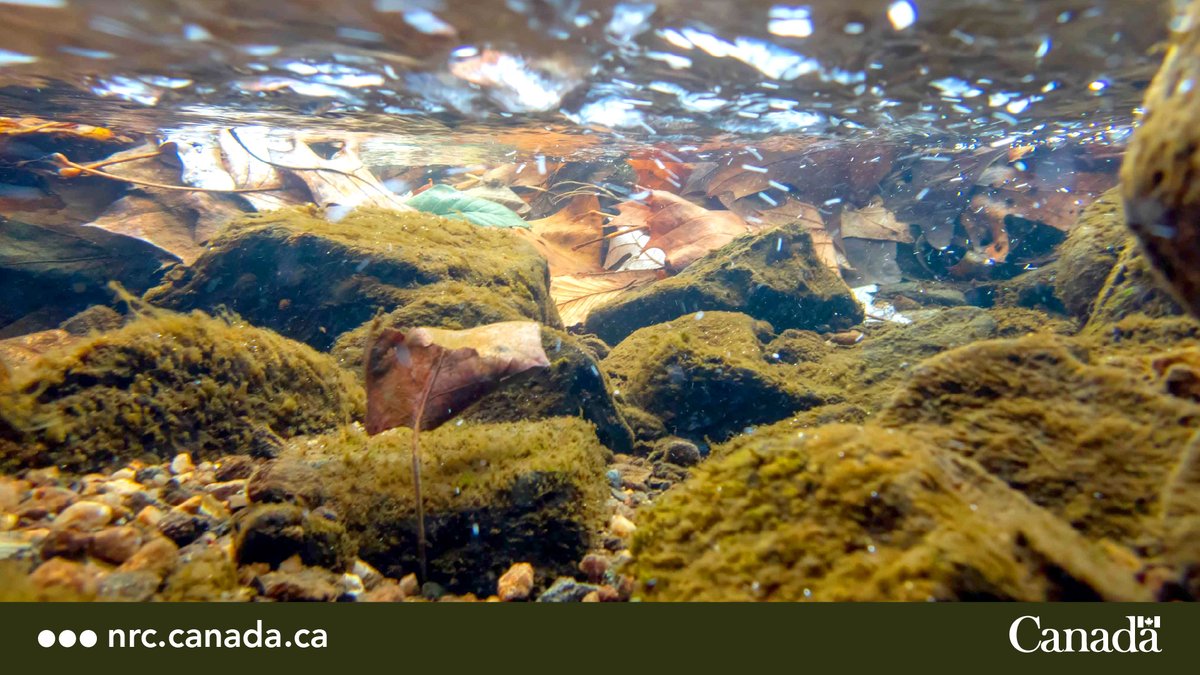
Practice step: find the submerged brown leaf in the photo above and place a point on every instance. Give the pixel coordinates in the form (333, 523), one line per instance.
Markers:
(570, 240)
(874, 221)
(455, 366)
(577, 295)
(684, 231)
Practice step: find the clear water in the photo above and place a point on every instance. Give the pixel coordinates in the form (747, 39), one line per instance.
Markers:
(981, 128)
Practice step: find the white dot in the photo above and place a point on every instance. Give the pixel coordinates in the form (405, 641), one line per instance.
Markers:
(46, 638)
(88, 638)
(902, 14)
(67, 638)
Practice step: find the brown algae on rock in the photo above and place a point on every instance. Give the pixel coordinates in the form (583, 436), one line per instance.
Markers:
(168, 382)
(295, 272)
(1091, 441)
(860, 513)
(494, 494)
(774, 276)
(706, 374)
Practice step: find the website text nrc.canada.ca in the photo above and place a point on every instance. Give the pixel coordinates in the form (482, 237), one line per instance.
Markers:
(253, 637)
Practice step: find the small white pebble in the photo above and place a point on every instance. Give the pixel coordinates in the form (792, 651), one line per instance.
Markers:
(621, 526)
(699, 315)
(182, 464)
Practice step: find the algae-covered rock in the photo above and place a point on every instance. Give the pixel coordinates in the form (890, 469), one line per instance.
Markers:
(1091, 441)
(166, 383)
(573, 384)
(494, 494)
(860, 513)
(1090, 251)
(1158, 176)
(311, 280)
(272, 533)
(208, 576)
(706, 375)
(774, 276)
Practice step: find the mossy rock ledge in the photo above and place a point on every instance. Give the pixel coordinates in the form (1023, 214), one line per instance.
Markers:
(774, 276)
(1090, 434)
(494, 494)
(311, 280)
(707, 375)
(168, 383)
(861, 513)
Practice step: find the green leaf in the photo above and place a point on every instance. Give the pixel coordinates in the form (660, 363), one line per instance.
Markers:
(443, 200)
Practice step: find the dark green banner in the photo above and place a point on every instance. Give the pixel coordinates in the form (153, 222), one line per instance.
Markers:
(617, 638)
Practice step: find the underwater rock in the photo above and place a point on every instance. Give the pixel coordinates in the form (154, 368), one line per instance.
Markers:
(516, 583)
(1158, 176)
(706, 374)
(1089, 253)
(272, 533)
(1091, 440)
(208, 576)
(312, 280)
(1103, 274)
(494, 494)
(167, 382)
(50, 272)
(860, 513)
(774, 276)
(573, 385)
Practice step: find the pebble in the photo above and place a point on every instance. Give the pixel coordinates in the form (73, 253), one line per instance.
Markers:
(116, 544)
(388, 591)
(10, 493)
(516, 583)
(182, 464)
(149, 516)
(621, 526)
(44, 477)
(566, 589)
(310, 584)
(85, 515)
(65, 543)
(128, 587)
(63, 574)
(181, 527)
(153, 476)
(410, 586)
(8, 521)
(45, 501)
(226, 489)
(594, 566)
(351, 586)
(124, 474)
(159, 556)
(370, 576)
(682, 453)
(14, 545)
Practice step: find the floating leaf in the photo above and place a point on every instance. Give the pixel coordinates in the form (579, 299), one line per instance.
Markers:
(577, 295)
(444, 369)
(444, 200)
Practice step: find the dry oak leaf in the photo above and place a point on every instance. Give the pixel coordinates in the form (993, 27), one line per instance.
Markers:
(685, 232)
(457, 366)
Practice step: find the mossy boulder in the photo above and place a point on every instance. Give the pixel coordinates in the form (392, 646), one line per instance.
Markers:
(1091, 439)
(574, 384)
(860, 513)
(707, 375)
(774, 276)
(167, 383)
(311, 280)
(494, 494)
(1103, 274)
